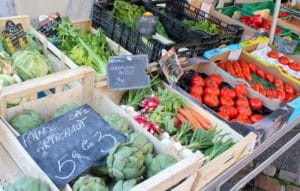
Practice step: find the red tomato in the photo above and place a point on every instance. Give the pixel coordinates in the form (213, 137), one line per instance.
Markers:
(224, 115)
(224, 100)
(260, 72)
(196, 90)
(278, 83)
(256, 104)
(275, 95)
(241, 89)
(243, 119)
(288, 88)
(242, 101)
(212, 90)
(222, 65)
(244, 109)
(209, 82)
(270, 78)
(211, 100)
(229, 110)
(295, 66)
(269, 93)
(263, 91)
(197, 97)
(280, 94)
(273, 54)
(284, 60)
(217, 78)
(289, 97)
(197, 80)
(256, 117)
(228, 92)
(252, 67)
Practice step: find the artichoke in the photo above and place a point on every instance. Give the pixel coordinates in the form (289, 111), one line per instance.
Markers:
(159, 163)
(89, 183)
(124, 185)
(140, 141)
(125, 162)
(30, 64)
(118, 122)
(26, 120)
(64, 109)
(27, 183)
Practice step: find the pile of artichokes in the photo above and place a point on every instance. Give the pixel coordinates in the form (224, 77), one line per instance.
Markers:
(127, 163)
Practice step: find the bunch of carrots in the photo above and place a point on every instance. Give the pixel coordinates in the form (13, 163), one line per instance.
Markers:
(196, 119)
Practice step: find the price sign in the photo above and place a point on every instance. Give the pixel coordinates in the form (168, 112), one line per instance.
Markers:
(146, 25)
(171, 66)
(47, 25)
(285, 46)
(68, 145)
(14, 36)
(127, 72)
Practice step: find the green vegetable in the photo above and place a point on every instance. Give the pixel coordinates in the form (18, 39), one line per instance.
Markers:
(159, 163)
(202, 139)
(124, 185)
(27, 184)
(64, 109)
(30, 64)
(184, 134)
(206, 26)
(125, 162)
(140, 141)
(118, 122)
(26, 120)
(89, 183)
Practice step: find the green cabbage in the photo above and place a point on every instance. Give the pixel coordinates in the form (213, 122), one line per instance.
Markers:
(26, 184)
(159, 163)
(26, 120)
(30, 64)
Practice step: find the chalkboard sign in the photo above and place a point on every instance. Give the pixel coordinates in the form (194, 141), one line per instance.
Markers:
(171, 66)
(14, 36)
(127, 72)
(67, 146)
(285, 46)
(47, 25)
(146, 25)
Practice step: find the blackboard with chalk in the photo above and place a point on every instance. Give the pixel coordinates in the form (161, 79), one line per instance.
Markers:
(146, 25)
(68, 145)
(127, 72)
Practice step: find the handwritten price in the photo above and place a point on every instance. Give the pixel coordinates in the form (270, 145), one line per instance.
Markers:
(87, 144)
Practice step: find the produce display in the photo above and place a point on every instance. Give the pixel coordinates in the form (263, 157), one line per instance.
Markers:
(231, 103)
(165, 114)
(206, 26)
(258, 22)
(126, 165)
(289, 66)
(84, 48)
(128, 13)
(261, 81)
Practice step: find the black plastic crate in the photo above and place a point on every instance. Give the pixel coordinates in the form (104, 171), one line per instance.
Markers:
(177, 10)
(133, 41)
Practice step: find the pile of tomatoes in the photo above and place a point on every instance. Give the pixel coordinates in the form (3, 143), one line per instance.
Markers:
(264, 83)
(284, 61)
(231, 104)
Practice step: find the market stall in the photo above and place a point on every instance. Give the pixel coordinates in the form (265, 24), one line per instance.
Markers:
(146, 95)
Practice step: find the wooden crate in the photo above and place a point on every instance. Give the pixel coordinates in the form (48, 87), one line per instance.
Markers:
(218, 165)
(100, 103)
(11, 169)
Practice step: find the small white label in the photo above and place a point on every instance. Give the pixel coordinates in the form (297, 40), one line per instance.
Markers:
(250, 148)
(235, 54)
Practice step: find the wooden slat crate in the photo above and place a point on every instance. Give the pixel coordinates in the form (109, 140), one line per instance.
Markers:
(218, 165)
(100, 103)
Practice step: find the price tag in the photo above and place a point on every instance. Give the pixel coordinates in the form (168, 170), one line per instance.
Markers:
(285, 46)
(205, 7)
(47, 24)
(127, 72)
(146, 25)
(235, 54)
(171, 66)
(68, 145)
(14, 36)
